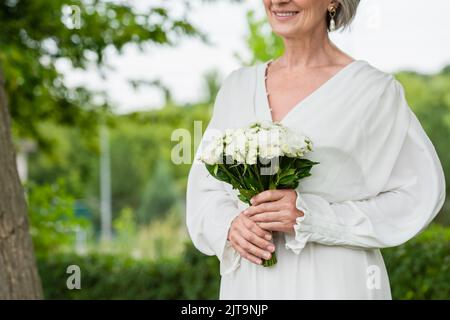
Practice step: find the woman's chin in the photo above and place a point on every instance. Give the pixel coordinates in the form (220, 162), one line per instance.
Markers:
(286, 31)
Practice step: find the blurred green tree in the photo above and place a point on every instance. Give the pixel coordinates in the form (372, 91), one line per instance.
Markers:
(212, 85)
(263, 44)
(53, 222)
(34, 37)
(125, 229)
(159, 194)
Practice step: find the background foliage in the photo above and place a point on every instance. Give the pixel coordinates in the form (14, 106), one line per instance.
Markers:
(418, 270)
(151, 255)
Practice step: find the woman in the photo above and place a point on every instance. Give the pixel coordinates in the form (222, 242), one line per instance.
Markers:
(378, 184)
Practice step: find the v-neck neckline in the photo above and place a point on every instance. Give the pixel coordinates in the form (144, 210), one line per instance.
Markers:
(305, 100)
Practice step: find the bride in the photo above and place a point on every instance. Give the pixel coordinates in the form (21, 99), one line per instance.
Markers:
(378, 184)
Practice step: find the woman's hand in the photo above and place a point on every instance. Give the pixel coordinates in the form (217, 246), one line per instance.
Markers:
(275, 210)
(250, 240)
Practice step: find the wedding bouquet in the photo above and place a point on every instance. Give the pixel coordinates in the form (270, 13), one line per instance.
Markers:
(263, 156)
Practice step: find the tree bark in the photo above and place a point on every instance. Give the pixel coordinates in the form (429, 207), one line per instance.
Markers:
(19, 278)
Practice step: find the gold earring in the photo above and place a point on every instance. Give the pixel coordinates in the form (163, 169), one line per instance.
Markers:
(332, 12)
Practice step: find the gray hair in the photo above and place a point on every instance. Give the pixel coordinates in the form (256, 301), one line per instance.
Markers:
(345, 13)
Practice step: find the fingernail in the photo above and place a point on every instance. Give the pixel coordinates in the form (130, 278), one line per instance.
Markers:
(271, 248)
(259, 261)
(252, 200)
(268, 236)
(267, 255)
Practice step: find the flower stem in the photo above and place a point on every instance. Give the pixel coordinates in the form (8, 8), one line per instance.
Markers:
(273, 259)
(271, 262)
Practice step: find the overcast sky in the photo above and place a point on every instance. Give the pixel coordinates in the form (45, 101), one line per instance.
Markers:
(391, 35)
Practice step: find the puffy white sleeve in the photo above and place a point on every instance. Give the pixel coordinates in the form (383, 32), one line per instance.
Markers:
(210, 209)
(411, 198)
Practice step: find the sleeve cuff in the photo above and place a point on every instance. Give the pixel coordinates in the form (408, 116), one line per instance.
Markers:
(230, 259)
(298, 240)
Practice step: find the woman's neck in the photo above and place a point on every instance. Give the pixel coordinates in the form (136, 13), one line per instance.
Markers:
(307, 51)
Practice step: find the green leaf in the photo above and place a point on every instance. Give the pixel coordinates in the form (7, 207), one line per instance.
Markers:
(244, 198)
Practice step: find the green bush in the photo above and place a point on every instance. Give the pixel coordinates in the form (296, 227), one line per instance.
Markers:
(418, 270)
(53, 222)
(117, 277)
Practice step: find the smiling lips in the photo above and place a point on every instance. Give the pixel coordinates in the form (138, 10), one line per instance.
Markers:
(284, 15)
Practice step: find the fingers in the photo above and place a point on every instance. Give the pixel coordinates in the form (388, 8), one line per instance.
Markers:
(261, 244)
(250, 240)
(267, 217)
(272, 226)
(264, 207)
(268, 195)
(252, 250)
(253, 227)
(244, 254)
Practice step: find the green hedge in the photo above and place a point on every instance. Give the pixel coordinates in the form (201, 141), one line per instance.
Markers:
(420, 269)
(114, 277)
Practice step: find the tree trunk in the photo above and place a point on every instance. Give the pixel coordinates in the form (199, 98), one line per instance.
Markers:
(19, 278)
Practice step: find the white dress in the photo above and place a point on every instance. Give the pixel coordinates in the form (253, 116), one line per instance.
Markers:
(379, 183)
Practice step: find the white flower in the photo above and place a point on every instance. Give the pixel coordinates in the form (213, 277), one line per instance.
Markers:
(295, 144)
(273, 151)
(267, 125)
(265, 140)
(236, 145)
(269, 142)
(252, 145)
(213, 152)
(252, 156)
(228, 135)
